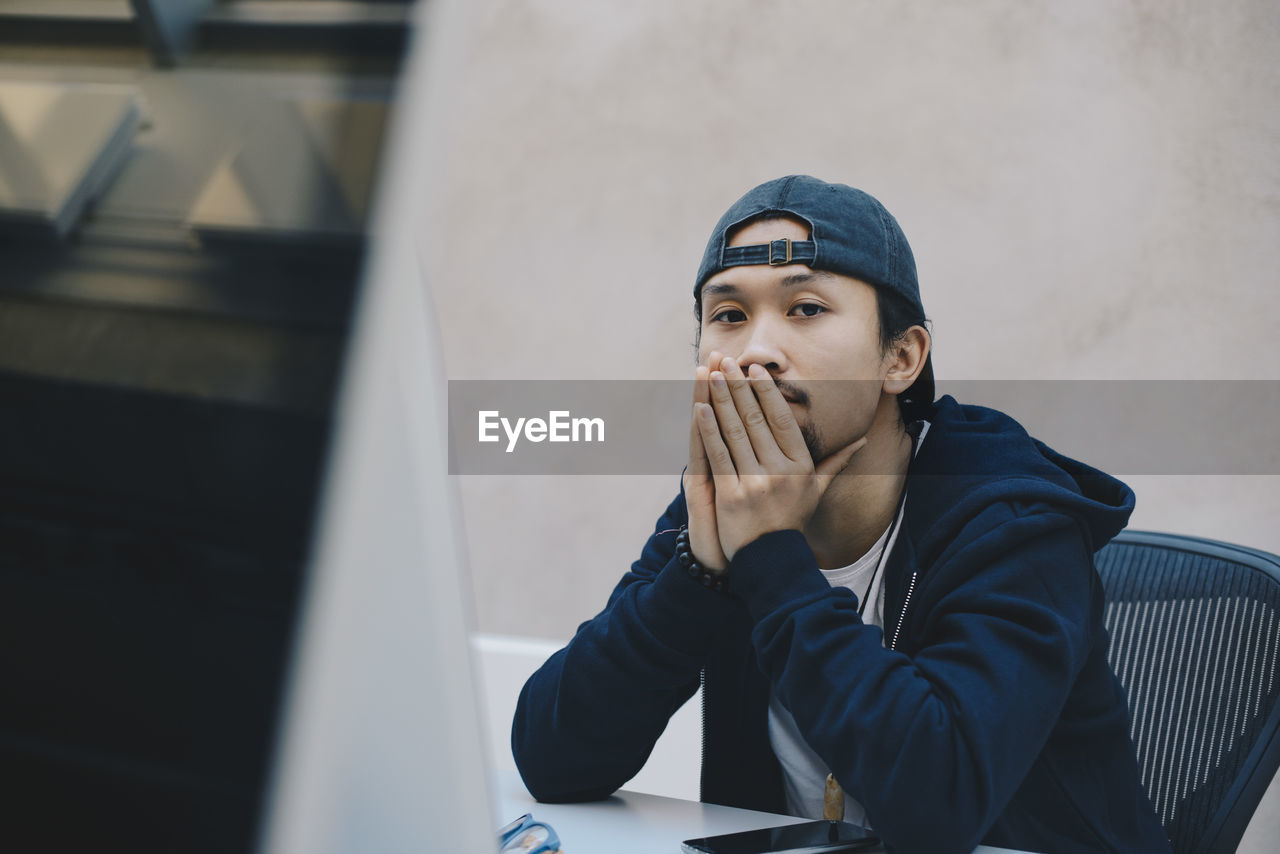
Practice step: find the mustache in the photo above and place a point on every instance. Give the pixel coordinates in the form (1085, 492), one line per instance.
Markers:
(792, 394)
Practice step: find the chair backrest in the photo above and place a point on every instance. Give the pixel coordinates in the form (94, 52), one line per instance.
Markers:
(1194, 630)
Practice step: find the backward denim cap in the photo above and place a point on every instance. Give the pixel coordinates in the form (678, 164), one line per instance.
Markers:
(850, 233)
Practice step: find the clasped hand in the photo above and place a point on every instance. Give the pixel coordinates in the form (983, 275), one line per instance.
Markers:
(750, 471)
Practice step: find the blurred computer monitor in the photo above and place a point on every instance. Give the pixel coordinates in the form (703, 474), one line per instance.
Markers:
(380, 747)
(233, 612)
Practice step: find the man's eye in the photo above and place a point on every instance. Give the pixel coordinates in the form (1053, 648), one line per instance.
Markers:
(809, 309)
(729, 315)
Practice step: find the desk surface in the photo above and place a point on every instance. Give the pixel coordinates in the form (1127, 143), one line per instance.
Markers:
(634, 823)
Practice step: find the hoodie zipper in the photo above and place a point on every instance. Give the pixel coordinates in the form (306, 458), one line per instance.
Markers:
(702, 684)
(902, 615)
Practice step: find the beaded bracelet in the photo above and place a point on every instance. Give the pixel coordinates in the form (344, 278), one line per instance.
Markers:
(717, 581)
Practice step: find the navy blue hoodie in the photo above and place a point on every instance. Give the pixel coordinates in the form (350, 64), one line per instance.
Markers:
(984, 712)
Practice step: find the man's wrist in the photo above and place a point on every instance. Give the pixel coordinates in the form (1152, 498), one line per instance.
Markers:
(711, 579)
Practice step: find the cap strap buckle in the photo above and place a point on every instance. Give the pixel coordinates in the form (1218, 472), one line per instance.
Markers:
(774, 260)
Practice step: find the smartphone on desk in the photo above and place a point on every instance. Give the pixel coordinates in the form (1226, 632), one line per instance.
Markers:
(809, 836)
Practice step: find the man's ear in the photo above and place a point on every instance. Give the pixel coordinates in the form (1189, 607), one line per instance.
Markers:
(906, 358)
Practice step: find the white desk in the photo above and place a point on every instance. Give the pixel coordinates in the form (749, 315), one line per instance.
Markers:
(633, 823)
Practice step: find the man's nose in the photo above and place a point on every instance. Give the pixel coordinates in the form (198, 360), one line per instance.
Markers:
(764, 348)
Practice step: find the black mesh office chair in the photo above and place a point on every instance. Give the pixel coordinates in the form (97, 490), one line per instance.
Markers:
(1195, 640)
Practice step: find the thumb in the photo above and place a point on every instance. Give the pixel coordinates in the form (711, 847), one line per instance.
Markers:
(836, 463)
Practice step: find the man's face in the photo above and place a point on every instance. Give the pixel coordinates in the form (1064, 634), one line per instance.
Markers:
(808, 329)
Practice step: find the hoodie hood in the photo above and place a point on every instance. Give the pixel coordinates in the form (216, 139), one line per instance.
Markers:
(974, 457)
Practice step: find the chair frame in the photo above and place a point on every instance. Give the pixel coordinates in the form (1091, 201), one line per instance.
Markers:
(1227, 827)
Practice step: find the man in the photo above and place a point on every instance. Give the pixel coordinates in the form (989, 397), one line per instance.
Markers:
(873, 586)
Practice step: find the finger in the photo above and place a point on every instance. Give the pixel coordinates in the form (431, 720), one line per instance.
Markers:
(759, 432)
(697, 453)
(701, 394)
(718, 456)
(782, 421)
(731, 426)
(836, 463)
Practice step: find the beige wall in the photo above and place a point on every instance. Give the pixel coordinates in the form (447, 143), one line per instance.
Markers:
(1091, 190)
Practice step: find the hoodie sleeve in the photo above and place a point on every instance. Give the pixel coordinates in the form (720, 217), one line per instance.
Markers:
(950, 732)
(588, 719)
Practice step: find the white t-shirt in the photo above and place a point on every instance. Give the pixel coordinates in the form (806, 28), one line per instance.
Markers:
(804, 775)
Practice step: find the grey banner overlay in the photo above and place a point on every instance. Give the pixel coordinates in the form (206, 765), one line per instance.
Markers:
(1135, 427)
